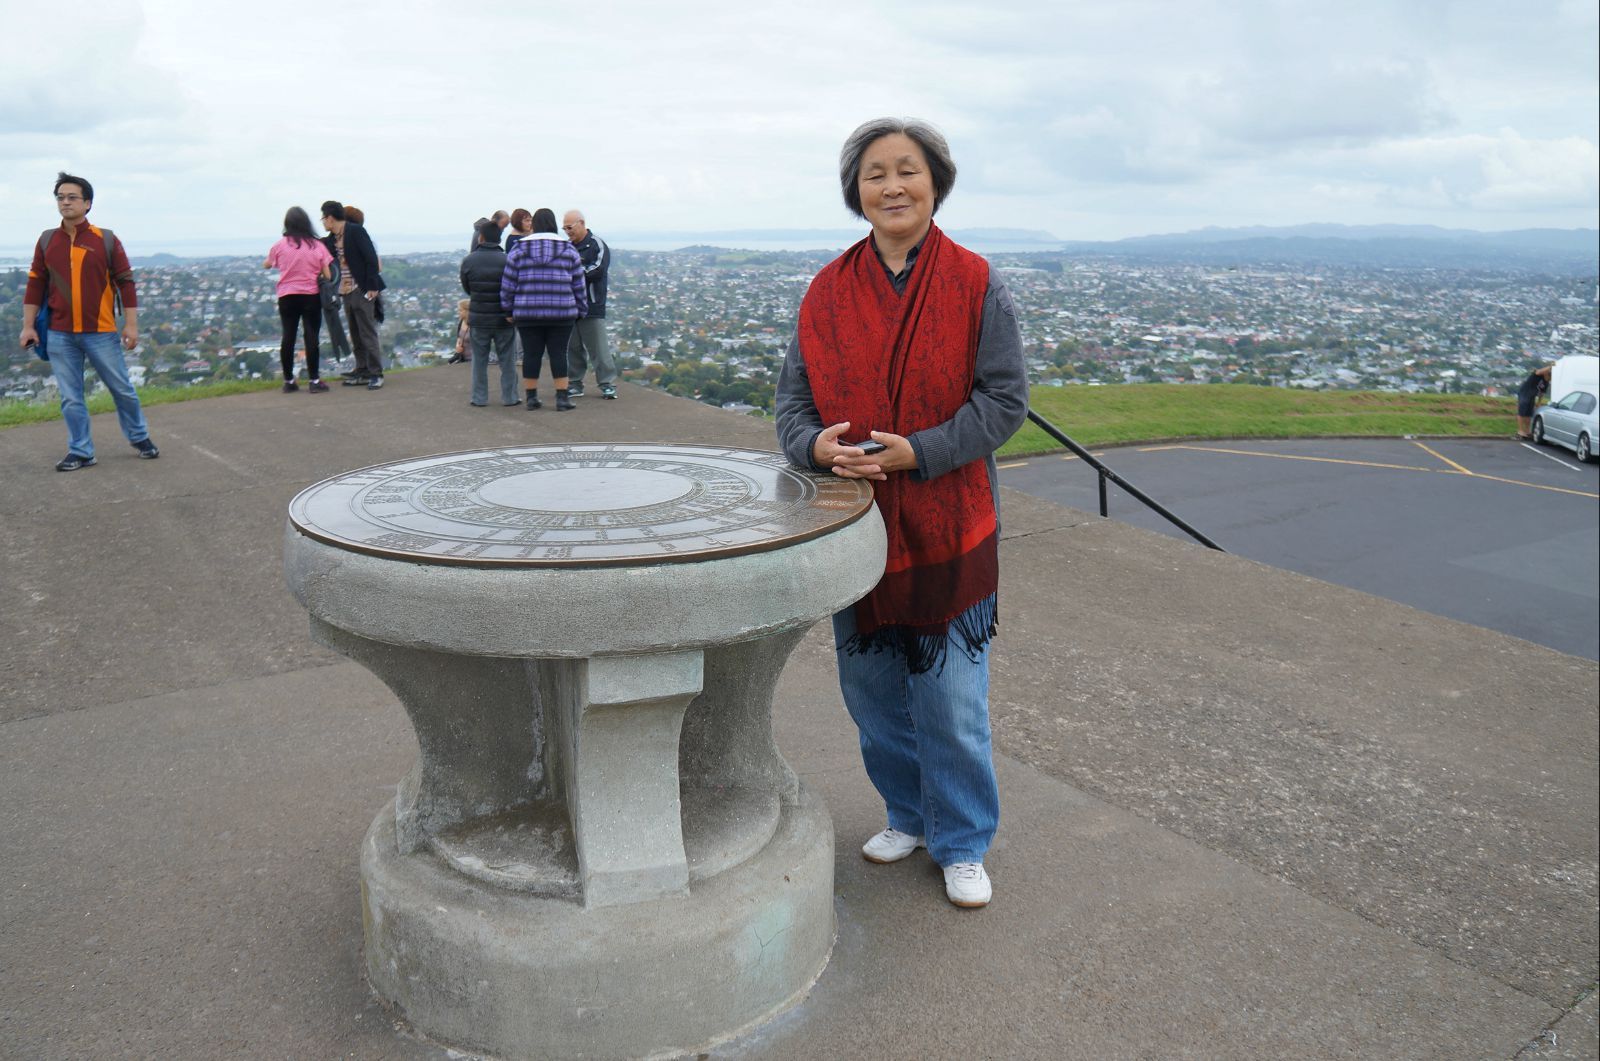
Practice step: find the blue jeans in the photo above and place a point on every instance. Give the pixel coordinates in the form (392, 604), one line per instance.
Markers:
(501, 336)
(68, 351)
(925, 744)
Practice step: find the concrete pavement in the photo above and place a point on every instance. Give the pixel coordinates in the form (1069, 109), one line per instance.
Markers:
(1247, 814)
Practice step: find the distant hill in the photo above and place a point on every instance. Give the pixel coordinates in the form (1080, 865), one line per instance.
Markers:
(818, 237)
(1573, 251)
(1548, 238)
(1563, 251)
(162, 259)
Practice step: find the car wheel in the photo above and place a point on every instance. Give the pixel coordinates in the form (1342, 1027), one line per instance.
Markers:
(1583, 451)
(1538, 431)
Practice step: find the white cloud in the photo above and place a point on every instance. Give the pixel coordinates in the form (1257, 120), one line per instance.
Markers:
(81, 81)
(1522, 174)
(1097, 120)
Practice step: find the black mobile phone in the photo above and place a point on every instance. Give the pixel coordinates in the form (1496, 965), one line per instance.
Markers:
(870, 446)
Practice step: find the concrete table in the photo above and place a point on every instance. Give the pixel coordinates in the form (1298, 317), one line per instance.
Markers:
(599, 851)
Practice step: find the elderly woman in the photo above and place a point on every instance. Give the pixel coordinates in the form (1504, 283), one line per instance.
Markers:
(906, 370)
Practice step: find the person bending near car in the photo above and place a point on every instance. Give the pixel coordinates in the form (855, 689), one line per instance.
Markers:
(1536, 386)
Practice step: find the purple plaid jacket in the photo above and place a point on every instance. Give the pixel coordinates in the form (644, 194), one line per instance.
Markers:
(543, 281)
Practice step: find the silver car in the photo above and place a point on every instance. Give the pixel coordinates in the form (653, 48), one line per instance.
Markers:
(1571, 422)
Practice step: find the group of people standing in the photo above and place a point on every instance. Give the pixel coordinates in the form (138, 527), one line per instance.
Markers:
(541, 291)
(317, 275)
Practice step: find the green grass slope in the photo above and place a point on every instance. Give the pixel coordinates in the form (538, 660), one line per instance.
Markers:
(1102, 416)
(13, 414)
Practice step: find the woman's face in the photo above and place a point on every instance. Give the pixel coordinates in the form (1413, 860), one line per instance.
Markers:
(896, 188)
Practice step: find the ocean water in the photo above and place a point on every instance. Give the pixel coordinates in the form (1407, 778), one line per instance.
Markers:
(14, 255)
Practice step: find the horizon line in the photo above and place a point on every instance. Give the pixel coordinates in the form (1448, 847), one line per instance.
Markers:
(1044, 240)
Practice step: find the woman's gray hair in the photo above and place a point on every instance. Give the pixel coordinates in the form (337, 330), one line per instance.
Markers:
(934, 147)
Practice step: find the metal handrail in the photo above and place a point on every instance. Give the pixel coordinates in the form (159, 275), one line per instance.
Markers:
(1106, 473)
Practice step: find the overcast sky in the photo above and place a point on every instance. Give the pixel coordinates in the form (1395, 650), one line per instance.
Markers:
(1092, 120)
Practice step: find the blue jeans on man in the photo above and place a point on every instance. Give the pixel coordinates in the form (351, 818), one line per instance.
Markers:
(925, 743)
(103, 350)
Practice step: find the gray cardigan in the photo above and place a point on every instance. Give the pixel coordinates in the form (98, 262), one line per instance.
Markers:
(991, 414)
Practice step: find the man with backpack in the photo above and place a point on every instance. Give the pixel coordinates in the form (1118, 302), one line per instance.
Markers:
(81, 272)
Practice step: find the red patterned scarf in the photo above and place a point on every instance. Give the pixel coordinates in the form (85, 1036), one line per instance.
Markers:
(904, 363)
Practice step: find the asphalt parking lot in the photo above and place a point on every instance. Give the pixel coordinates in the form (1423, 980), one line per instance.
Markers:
(1497, 533)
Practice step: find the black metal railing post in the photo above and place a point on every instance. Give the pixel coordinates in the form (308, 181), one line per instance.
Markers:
(1106, 473)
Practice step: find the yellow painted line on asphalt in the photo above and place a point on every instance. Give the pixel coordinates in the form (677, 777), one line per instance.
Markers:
(1393, 467)
(1013, 464)
(1535, 486)
(1442, 457)
(1299, 457)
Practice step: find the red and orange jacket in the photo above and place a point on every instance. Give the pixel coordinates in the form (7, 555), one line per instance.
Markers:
(82, 298)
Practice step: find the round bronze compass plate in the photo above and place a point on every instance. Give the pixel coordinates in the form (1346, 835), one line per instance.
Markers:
(577, 505)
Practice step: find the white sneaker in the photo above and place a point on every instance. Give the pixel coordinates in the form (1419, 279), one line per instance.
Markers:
(891, 845)
(967, 884)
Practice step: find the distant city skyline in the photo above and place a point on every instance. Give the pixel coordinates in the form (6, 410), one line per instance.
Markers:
(1091, 122)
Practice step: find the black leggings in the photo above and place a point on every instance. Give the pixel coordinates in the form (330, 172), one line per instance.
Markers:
(293, 309)
(536, 338)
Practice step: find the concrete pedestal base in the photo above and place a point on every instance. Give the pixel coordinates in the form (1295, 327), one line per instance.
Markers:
(516, 975)
(600, 851)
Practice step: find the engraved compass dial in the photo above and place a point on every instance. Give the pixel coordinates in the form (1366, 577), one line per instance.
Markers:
(581, 505)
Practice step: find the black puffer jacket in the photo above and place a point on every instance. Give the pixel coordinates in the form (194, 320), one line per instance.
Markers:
(480, 279)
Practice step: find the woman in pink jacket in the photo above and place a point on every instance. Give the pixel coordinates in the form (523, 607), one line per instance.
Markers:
(301, 260)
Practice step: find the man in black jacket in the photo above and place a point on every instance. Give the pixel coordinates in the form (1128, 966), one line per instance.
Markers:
(589, 336)
(480, 279)
(359, 284)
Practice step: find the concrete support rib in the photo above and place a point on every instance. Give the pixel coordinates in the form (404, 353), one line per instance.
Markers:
(619, 719)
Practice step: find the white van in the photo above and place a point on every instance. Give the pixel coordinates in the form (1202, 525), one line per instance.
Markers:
(1572, 419)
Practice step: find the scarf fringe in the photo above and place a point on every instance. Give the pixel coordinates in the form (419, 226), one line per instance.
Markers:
(924, 648)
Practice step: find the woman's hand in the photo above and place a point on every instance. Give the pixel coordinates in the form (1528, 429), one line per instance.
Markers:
(897, 455)
(849, 462)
